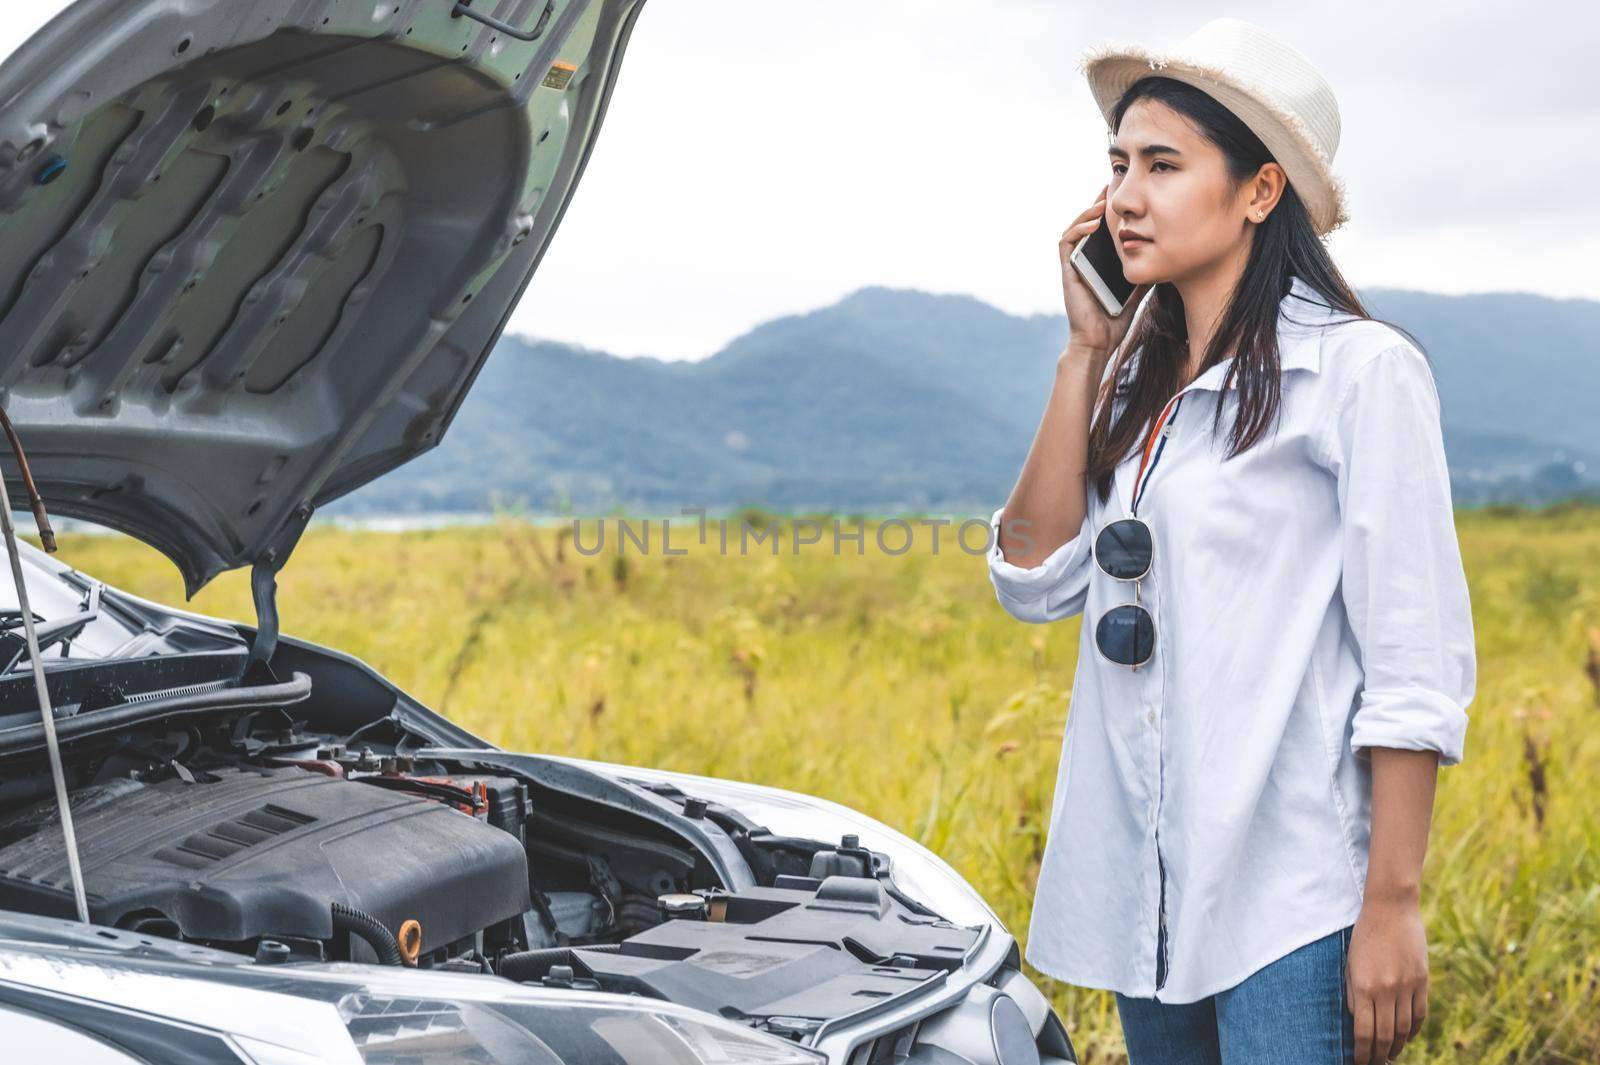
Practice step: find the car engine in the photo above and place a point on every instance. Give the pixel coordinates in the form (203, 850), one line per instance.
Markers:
(242, 854)
(247, 830)
(280, 827)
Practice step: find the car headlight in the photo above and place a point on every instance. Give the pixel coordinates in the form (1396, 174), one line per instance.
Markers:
(422, 1031)
(300, 1014)
(917, 871)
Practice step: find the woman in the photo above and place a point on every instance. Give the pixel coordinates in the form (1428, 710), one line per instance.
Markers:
(1248, 503)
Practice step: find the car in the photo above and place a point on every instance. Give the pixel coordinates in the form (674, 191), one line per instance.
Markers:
(252, 255)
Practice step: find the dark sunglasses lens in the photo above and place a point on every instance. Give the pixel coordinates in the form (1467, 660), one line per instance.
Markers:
(1126, 634)
(1123, 549)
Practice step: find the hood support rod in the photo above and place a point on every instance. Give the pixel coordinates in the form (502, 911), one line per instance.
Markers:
(47, 535)
(69, 835)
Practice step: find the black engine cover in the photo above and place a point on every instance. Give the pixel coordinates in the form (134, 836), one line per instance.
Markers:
(264, 852)
(816, 949)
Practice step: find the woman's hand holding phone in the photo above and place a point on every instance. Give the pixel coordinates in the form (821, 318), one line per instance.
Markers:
(1094, 333)
(1051, 497)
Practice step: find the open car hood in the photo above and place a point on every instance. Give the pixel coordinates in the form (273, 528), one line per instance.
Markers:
(254, 252)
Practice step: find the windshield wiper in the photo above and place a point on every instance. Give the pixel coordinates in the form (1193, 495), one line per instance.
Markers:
(14, 644)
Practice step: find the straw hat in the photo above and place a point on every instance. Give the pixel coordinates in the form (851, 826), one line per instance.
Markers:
(1272, 88)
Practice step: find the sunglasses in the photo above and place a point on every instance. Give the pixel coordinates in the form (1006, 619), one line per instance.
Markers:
(1124, 550)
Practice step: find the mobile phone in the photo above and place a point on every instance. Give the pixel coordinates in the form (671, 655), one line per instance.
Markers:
(1097, 262)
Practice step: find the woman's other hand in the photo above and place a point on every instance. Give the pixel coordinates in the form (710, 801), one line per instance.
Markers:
(1387, 977)
(1092, 329)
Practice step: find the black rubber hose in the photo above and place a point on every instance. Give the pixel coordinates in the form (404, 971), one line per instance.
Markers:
(28, 738)
(536, 964)
(368, 928)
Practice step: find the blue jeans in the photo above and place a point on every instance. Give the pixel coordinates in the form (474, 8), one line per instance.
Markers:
(1291, 1010)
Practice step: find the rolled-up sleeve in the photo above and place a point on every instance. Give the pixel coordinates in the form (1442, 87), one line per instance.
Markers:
(1403, 586)
(1056, 588)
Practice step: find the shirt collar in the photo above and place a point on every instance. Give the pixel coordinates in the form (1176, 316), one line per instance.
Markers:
(1302, 317)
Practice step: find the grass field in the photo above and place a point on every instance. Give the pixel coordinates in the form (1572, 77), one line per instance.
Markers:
(894, 683)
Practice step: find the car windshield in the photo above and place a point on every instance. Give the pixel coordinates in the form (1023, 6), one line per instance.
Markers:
(85, 627)
(112, 625)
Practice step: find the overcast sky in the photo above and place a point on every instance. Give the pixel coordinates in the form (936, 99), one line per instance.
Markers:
(767, 157)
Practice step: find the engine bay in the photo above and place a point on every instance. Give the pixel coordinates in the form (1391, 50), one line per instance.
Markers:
(246, 830)
(238, 854)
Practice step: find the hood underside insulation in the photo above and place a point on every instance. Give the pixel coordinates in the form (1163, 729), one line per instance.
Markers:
(252, 255)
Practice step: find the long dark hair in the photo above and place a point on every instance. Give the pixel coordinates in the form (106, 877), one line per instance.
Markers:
(1286, 246)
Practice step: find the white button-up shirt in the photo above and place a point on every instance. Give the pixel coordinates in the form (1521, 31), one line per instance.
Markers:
(1310, 602)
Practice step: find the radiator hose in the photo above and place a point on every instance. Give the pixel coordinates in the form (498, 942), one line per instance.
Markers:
(369, 929)
(535, 964)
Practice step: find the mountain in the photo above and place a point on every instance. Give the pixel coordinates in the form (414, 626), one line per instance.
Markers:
(900, 400)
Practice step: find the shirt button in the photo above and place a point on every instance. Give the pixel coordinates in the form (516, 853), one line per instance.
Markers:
(1150, 717)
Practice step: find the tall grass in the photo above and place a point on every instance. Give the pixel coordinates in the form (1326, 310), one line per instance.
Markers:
(895, 684)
